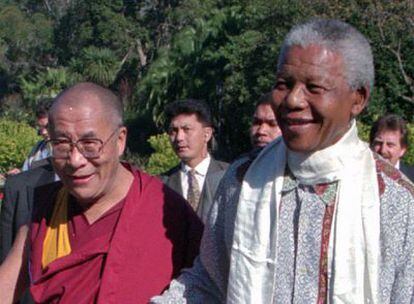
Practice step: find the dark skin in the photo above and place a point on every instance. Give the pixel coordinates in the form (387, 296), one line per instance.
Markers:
(312, 98)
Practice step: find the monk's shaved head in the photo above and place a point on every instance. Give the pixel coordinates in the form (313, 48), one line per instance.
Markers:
(89, 93)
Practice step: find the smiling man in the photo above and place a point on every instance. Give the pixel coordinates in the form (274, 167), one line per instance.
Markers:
(316, 217)
(196, 178)
(389, 138)
(107, 233)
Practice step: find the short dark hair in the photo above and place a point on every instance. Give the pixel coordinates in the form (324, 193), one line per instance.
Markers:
(390, 122)
(42, 108)
(189, 106)
(265, 99)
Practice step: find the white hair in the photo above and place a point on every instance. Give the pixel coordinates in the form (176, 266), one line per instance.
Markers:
(339, 37)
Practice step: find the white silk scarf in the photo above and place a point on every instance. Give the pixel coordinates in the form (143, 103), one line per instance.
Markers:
(354, 252)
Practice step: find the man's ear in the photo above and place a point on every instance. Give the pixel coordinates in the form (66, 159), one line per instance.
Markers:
(360, 100)
(122, 136)
(403, 150)
(208, 133)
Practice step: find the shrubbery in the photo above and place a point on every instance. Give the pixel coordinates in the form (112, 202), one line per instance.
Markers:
(16, 141)
(163, 157)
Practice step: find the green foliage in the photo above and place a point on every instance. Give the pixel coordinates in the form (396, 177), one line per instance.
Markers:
(92, 23)
(155, 52)
(46, 84)
(363, 131)
(25, 44)
(225, 56)
(409, 155)
(98, 65)
(164, 157)
(16, 141)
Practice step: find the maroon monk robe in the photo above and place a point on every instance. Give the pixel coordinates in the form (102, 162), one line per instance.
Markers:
(153, 235)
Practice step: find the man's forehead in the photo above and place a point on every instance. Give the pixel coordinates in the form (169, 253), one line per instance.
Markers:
(388, 135)
(80, 131)
(184, 119)
(264, 111)
(316, 59)
(77, 122)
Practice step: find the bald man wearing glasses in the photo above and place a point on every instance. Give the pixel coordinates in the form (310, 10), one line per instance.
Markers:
(107, 233)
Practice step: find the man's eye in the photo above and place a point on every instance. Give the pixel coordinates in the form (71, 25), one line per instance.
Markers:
(281, 85)
(60, 142)
(88, 142)
(314, 88)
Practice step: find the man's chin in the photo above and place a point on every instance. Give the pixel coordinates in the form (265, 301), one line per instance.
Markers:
(83, 198)
(260, 144)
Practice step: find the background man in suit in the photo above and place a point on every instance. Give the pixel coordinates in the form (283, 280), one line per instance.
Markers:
(264, 127)
(197, 176)
(18, 202)
(17, 206)
(389, 138)
(40, 151)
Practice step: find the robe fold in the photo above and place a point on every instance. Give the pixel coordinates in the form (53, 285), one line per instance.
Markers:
(128, 255)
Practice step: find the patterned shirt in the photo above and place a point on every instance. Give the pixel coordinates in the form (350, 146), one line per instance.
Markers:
(305, 220)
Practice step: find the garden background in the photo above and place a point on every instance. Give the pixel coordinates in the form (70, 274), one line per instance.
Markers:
(153, 52)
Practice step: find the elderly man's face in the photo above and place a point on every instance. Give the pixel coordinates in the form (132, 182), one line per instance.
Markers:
(88, 180)
(264, 128)
(387, 143)
(314, 103)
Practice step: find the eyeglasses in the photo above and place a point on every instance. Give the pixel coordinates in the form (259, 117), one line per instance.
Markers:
(88, 147)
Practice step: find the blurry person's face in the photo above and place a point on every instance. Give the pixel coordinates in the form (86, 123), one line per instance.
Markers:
(388, 144)
(189, 138)
(264, 127)
(41, 125)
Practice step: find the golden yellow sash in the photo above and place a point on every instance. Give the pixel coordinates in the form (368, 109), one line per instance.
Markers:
(56, 243)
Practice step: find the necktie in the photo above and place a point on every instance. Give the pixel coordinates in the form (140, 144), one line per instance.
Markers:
(193, 194)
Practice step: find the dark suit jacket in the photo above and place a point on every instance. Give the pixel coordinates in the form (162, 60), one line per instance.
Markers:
(408, 171)
(17, 204)
(215, 172)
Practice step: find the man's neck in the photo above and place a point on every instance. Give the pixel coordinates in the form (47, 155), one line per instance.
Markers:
(119, 190)
(195, 162)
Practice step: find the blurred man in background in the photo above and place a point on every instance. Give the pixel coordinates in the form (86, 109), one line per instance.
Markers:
(389, 138)
(196, 178)
(264, 127)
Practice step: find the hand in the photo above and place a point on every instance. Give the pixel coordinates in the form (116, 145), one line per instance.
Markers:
(13, 171)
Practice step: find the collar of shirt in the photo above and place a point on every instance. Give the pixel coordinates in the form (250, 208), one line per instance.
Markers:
(201, 172)
(397, 165)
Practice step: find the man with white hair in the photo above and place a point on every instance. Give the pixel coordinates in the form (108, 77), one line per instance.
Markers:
(316, 217)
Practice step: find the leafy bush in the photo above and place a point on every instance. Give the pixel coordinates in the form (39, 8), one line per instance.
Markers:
(46, 84)
(364, 129)
(163, 157)
(16, 141)
(136, 159)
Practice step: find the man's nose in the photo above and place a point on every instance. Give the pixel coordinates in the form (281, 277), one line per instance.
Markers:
(76, 159)
(383, 149)
(295, 98)
(180, 135)
(262, 129)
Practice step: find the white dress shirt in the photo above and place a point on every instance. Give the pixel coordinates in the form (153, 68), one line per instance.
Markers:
(201, 171)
